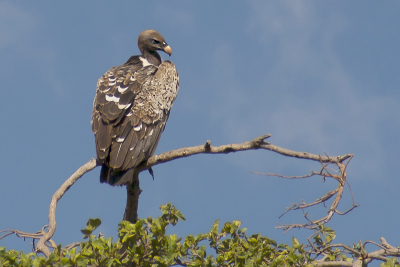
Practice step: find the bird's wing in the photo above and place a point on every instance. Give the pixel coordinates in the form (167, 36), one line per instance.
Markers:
(130, 110)
(164, 87)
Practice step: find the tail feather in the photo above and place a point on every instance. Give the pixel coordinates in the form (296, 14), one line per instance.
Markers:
(113, 177)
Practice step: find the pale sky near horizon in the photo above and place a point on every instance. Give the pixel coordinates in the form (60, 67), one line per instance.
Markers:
(319, 76)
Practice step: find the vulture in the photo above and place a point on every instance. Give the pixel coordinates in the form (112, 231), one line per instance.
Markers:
(131, 107)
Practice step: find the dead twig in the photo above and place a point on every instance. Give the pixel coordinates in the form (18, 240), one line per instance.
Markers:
(324, 172)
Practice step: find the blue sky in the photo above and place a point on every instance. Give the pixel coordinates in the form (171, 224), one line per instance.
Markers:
(319, 76)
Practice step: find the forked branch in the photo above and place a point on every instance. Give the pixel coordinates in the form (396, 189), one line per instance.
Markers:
(324, 173)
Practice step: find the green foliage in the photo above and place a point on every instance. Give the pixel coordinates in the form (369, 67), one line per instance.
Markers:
(146, 243)
(91, 225)
(390, 263)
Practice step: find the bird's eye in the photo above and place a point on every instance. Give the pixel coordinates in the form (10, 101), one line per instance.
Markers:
(155, 42)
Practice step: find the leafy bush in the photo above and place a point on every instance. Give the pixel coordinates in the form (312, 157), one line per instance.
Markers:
(145, 243)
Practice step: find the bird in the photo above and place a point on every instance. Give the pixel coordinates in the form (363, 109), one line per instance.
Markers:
(131, 107)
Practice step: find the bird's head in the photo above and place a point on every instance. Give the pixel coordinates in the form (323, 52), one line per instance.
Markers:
(151, 41)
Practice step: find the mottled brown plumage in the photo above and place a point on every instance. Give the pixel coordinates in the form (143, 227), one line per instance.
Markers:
(131, 108)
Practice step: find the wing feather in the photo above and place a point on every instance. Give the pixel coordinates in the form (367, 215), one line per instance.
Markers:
(119, 150)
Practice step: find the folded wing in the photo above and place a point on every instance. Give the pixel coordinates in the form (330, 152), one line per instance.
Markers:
(130, 110)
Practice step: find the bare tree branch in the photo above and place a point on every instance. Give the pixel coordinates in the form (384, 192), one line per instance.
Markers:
(24, 235)
(41, 245)
(287, 177)
(133, 192)
(324, 172)
(334, 263)
(71, 246)
(256, 143)
(363, 258)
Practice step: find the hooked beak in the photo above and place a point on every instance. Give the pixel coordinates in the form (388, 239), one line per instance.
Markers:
(167, 49)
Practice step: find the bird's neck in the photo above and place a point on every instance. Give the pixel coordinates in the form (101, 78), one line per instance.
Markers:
(152, 57)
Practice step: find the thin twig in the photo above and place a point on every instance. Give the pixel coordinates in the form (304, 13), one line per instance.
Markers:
(286, 177)
(324, 172)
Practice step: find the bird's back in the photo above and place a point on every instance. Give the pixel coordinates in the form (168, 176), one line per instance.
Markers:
(130, 109)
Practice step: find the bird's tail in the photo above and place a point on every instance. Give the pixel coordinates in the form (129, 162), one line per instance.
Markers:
(114, 177)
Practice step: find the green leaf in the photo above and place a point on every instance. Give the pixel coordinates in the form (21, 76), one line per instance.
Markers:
(91, 225)
(180, 215)
(295, 242)
(214, 229)
(237, 223)
(328, 239)
(86, 233)
(165, 209)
